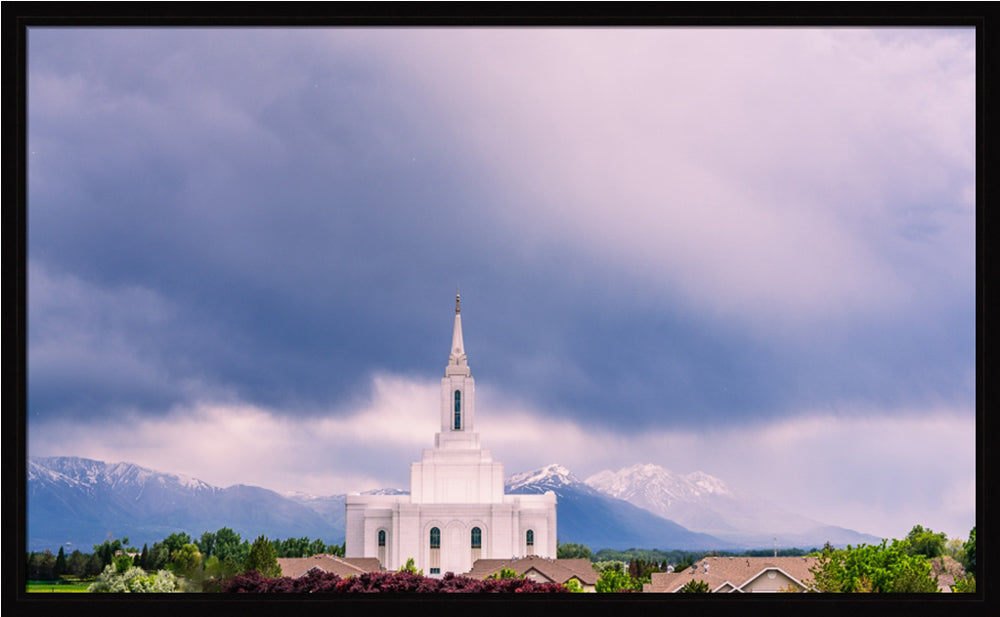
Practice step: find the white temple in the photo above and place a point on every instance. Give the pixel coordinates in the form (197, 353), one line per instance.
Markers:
(456, 511)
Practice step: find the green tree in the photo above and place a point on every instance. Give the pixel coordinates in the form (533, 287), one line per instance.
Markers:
(316, 547)
(206, 544)
(122, 563)
(336, 549)
(966, 584)
(175, 541)
(158, 557)
(641, 570)
(41, 566)
(573, 585)
(925, 542)
(187, 561)
(884, 568)
(228, 542)
(411, 567)
(263, 559)
(93, 565)
(969, 563)
(505, 573)
(694, 586)
(60, 566)
(612, 581)
(107, 551)
(571, 550)
(76, 564)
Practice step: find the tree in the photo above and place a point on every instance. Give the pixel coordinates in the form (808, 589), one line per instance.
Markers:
(175, 541)
(966, 584)
(316, 547)
(263, 559)
(641, 570)
(505, 573)
(571, 550)
(614, 581)
(187, 561)
(410, 568)
(76, 564)
(107, 551)
(41, 566)
(969, 563)
(925, 542)
(573, 586)
(694, 586)
(880, 568)
(228, 542)
(122, 563)
(206, 544)
(60, 566)
(955, 548)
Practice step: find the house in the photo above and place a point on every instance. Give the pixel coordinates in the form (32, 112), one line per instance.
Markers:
(342, 567)
(456, 511)
(540, 570)
(739, 575)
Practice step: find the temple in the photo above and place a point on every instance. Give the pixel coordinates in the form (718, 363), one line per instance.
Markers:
(456, 512)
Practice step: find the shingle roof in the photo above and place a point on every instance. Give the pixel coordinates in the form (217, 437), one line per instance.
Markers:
(343, 567)
(556, 570)
(736, 571)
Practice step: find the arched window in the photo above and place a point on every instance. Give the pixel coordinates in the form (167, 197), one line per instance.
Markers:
(458, 410)
(381, 547)
(477, 544)
(529, 541)
(435, 567)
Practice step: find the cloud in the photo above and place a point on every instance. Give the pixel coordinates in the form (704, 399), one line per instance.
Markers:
(769, 176)
(866, 471)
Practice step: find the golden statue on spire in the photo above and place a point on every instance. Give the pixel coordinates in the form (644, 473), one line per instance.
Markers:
(457, 299)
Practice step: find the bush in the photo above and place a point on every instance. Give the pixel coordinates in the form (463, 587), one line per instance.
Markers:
(384, 582)
(694, 586)
(134, 580)
(873, 568)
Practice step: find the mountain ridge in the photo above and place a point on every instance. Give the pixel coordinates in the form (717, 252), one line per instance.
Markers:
(81, 502)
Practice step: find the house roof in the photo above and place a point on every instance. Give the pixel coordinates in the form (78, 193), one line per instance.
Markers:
(725, 573)
(555, 570)
(341, 566)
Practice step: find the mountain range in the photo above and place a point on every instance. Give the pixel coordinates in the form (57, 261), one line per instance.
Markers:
(79, 502)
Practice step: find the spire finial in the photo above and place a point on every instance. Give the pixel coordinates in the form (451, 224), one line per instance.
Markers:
(458, 297)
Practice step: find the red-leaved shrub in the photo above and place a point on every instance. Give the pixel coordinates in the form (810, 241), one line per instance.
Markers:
(316, 581)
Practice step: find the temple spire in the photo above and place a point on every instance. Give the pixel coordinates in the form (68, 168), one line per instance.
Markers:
(457, 356)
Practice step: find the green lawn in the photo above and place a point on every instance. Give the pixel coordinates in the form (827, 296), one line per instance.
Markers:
(56, 587)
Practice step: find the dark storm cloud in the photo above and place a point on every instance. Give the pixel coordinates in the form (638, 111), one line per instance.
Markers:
(304, 204)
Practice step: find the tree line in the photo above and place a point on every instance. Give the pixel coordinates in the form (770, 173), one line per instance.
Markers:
(899, 566)
(213, 557)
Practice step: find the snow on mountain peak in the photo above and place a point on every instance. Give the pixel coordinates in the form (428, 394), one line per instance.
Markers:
(655, 485)
(550, 475)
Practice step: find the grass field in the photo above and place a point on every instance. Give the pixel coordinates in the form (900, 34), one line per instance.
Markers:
(53, 587)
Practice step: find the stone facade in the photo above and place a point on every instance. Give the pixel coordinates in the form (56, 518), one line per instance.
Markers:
(456, 511)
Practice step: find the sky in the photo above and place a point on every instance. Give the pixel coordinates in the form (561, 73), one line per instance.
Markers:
(743, 251)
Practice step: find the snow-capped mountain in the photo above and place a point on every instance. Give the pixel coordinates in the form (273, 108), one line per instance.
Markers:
(550, 477)
(704, 503)
(587, 516)
(81, 502)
